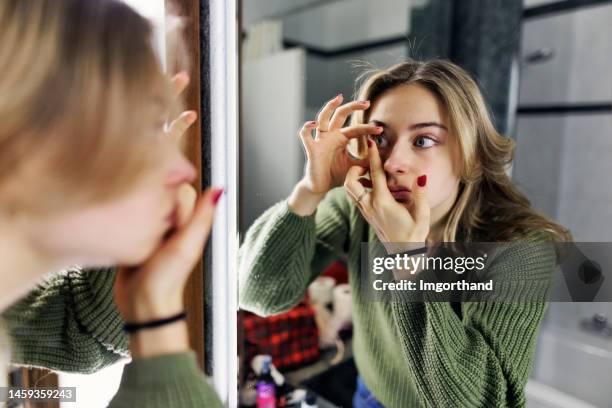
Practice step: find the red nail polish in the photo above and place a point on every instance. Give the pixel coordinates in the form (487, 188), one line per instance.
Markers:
(422, 180)
(369, 143)
(217, 195)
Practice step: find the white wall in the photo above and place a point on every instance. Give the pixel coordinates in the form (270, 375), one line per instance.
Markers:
(272, 113)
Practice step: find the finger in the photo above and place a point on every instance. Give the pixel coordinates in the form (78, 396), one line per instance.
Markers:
(179, 126)
(306, 133)
(354, 188)
(361, 130)
(179, 83)
(377, 173)
(326, 113)
(191, 238)
(187, 197)
(421, 212)
(343, 112)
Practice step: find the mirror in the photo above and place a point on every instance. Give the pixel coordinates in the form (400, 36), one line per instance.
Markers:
(527, 60)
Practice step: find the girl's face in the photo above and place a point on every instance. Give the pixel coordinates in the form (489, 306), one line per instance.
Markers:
(124, 230)
(416, 141)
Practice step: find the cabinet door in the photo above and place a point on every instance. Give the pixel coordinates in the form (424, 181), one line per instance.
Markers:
(563, 165)
(567, 58)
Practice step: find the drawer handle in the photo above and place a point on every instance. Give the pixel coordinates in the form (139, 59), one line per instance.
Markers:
(539, 56)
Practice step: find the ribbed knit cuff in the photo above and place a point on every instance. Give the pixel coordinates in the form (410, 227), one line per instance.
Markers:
(286, 210)
(167, 381)
(92, 291)
(160, 370)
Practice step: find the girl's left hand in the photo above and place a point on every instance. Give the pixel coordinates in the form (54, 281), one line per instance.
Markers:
(397, 227)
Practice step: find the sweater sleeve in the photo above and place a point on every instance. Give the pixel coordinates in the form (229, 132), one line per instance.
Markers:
(484, 357)
(68, 323)
(284, 252)
(168, 381)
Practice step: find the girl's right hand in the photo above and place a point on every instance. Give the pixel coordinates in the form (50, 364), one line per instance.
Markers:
(327, 158)
(155, 289)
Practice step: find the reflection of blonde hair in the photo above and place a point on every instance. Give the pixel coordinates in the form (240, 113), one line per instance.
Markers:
(80, 86)
(489, 205)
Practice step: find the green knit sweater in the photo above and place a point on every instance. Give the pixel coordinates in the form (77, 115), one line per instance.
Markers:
(408, 354)
(70, 323)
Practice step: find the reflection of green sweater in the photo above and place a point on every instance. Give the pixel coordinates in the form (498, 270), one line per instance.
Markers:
(409, 354)
(70, 323)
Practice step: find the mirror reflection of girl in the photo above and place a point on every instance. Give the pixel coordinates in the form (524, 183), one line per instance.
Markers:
(438, 174)
(89, 176)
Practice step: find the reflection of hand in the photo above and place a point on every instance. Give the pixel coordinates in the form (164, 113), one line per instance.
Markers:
(392, 222)
(179, 126)
(327, 158)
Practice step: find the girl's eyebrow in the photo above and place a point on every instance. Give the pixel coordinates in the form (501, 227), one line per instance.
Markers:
(414, 126)
(426, 125)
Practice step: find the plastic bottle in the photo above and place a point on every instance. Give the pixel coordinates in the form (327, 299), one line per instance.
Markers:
(266, 388)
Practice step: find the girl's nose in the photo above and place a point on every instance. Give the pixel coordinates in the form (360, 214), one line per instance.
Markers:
(182, 172)
(397, 162)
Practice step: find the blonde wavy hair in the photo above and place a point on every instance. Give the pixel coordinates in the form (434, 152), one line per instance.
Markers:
(489, 206)
(80, 85)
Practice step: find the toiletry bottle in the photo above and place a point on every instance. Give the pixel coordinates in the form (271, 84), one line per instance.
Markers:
(266, 388)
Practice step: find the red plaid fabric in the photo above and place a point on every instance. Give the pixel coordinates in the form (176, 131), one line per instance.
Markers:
(290, 338)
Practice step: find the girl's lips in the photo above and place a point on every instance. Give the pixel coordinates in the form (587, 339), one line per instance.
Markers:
(398, 188)
(401, 194)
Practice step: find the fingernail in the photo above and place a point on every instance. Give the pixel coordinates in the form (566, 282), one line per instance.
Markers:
(422, 180)
(364, 102)
(191, 117)
(379, 128)
(311, 123)
(217, 195)
(339, 95)
(369, 143)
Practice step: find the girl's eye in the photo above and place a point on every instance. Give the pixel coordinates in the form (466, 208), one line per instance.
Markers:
(424, 142)
(380, 141)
